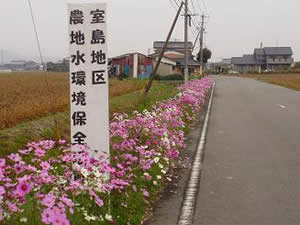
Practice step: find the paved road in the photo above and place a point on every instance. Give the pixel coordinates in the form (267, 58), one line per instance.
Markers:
(251, 173)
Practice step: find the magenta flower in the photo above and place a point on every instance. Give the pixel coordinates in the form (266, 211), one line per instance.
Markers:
(15, 157)
(2, 190)
(45, 165)
(2, 162)
(46, 216)
(68, 202)
(49, 200)
(23, 188)
(19, 168)
(12, 207)
(99, 201)
(39, 152)
(145, 193)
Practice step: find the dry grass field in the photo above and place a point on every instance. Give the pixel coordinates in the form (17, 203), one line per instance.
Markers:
(26, 96)
(291, 80)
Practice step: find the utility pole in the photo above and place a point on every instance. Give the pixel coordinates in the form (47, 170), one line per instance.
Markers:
(201, 44)
(186, 50)
(149, 84)
(2, 57)
(260, 60)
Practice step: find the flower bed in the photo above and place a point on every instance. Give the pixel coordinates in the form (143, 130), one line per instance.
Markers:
(47, 183)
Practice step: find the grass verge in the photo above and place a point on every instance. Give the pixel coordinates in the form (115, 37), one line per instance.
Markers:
(58, 125)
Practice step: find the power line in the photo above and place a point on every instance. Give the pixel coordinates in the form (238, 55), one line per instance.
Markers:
(51, 97)
(198, 3)
(173, 4)
(205, 8)
(36, 34)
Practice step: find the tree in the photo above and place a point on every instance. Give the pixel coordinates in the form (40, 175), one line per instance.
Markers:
(206, 55)
(297, 65)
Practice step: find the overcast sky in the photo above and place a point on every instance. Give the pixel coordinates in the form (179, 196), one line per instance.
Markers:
(234, 27)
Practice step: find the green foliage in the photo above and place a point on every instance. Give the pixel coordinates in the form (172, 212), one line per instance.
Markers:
(123, 76)
(169, 77)
(206, 55)
(297, 65)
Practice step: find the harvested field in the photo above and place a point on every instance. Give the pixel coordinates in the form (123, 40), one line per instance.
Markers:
(291, 81)
(26, 96)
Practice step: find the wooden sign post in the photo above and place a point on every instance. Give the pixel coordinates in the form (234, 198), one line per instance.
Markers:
(89, 77)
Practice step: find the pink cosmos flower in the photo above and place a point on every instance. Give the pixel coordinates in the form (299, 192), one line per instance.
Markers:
(39, 152)
(19, 168)
(99, 201)
(68, 202)
(2, 190)
(31, 168)
(2, 162)
(15, 157)
(134, 188)
(24, 152)
(46, 216)
(45, 165)
(12, 207)
(61, 141)
(49, 200)
(145, 193)
(23, 188)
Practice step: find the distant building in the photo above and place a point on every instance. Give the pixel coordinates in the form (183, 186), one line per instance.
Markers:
(21, 66)
(173, 47)
(60, 66)
(166, 67)
(268, 58)
(135, 65)
(175, 52)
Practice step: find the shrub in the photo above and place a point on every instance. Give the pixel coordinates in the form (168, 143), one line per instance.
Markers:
(169, 77)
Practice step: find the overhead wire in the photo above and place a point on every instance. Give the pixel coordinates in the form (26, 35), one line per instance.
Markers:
(51, 97)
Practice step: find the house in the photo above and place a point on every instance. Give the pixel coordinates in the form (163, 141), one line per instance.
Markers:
(60, 66)
(16, 65)
(175, 52)
(167, 66)
(222, 66)
(173, 47)
(268, 58)
(246, 63)
(135, 65)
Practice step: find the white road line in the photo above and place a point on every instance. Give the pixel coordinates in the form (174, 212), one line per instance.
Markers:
(282, 106)
(189, 201)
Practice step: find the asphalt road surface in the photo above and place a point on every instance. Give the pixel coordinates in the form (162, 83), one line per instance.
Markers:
(251, 171)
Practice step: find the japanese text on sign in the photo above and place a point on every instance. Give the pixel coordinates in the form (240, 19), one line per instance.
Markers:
(88, 76)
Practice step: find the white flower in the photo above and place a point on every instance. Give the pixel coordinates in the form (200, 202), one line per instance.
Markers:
(108, 217)
(169, 179)
(146, 174)
(23, 220)
(158, 177)
(90, 218)
(84, 172)
(160, 166)
(156, 159)
(163, 171)
(97, 173)
(76, 167)
(179, 94)
(155, 183)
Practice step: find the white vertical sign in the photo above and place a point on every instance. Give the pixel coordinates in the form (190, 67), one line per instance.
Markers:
(89, 76)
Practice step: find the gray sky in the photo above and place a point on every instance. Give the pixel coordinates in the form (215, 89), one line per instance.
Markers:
(234, 27)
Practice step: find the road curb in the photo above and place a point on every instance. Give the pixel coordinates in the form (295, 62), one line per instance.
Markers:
(190, 196)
